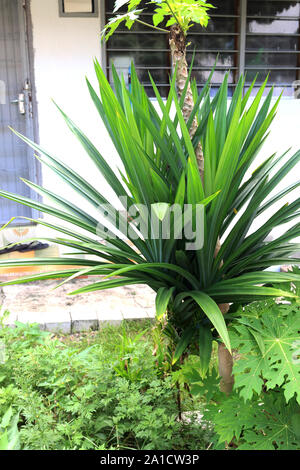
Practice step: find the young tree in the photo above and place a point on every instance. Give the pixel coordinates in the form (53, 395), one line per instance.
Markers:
(179, 16)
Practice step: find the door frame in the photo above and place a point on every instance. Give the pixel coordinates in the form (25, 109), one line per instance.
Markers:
(32, 123)
(27, 40)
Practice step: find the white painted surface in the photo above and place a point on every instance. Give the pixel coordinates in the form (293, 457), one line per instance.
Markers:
(64, 50)
(285, 134)
(64, 53)
(78, 6)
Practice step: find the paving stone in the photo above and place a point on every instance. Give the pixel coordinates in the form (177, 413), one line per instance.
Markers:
(55, 321)
(61, 327)
(109, 311)
(54, 310)
(30, 317)
(83, 320)
(137, 313)
(84, 325)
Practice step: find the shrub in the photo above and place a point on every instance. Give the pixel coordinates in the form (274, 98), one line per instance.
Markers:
(74, 396)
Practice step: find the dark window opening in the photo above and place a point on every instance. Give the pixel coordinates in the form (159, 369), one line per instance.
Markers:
(78, 8)
(253, 37)
(273, 43)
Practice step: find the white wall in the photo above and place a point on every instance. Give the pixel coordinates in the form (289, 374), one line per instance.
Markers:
(285, 134)
(64, 49)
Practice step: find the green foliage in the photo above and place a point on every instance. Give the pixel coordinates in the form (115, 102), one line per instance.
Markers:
(162, 301)
(182, 12)
(294, 287)
(9, 434)
(132, 363)
(202, 387)
(129, 18)
(267, 423)
(205, 348)
(263, 411)
(277, 426)
(79, 395)
(160, 167)
(109, 391)
(267, 347)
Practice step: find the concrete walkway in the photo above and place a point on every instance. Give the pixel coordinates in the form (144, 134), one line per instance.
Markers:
(55, 311)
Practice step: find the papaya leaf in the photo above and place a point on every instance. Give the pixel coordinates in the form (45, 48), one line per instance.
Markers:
(271, 363)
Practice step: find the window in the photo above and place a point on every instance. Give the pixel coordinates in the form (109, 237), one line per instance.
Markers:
(244, 36)
(146, 48)
(218, 43)
(273, 42)
(78, 8)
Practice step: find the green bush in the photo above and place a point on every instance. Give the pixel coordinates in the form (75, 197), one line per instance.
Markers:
(160, 169)
(9, 434)
(263, 412)
(106, 395)
(107, 390)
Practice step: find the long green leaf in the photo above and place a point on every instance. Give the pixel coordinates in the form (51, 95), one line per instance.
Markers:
(183, 343)
(162, 300)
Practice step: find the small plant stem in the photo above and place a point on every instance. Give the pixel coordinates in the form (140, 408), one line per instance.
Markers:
(179, 401)
(187, 388)
(152, 26)
(173, 13)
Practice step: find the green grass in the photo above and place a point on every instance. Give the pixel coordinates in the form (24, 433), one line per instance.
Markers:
(108, 335)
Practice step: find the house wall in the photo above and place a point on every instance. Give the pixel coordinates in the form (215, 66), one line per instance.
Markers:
(64, 49)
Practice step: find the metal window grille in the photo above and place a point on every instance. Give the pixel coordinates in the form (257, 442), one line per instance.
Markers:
(78, 8)
(272, 43)
(256, 37)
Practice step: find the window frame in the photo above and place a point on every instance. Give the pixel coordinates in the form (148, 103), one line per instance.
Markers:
(243, 50)
(94, 14)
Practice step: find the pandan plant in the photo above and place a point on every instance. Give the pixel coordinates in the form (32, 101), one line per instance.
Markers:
(197, 158)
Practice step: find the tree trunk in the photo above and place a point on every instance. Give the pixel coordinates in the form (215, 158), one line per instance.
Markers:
(225, 362)
(224, 356)
(225, 369)
(178, 51)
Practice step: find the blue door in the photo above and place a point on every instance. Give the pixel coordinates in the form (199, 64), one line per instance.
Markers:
(16, 110)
